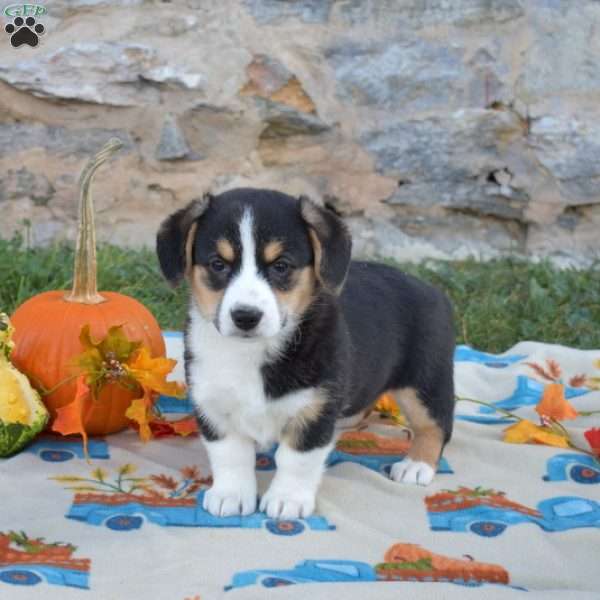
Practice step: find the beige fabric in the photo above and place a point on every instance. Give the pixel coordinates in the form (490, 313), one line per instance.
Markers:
(370, 513)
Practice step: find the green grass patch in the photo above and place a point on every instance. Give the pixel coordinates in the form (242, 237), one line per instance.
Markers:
(26, 272)
(497, 303)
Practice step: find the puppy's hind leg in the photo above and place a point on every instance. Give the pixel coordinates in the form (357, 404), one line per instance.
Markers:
(429, 437)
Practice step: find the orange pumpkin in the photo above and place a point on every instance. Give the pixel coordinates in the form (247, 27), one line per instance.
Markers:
(48, 325)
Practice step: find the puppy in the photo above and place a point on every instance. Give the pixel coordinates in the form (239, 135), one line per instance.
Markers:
(286, 336)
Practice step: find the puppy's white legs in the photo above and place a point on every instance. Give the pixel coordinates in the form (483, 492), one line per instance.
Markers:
(293, 491)
(232, 460)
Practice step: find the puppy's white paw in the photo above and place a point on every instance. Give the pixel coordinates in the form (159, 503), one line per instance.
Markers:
(412, 471)
(285, 504)
(224, 502)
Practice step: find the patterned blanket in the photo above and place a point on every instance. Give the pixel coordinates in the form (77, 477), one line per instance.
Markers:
(500, 519)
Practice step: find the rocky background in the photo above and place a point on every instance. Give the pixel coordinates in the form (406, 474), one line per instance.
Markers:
(439, 128)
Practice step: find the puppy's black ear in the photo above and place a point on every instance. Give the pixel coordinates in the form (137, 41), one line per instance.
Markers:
(175, 238)
(331, 244)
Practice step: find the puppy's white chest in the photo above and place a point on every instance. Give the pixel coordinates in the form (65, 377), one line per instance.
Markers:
(227, 385)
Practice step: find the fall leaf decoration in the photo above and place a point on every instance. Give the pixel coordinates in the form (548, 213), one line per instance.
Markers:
(70, 418)
(550, 431)
(577, 380)
(554, 405)
(34, 545)
(191, 472)
(526, 432)
(103, 360)
(386, 403)
(117, 360)
(164, 481)
(124, 482)
(151, 373)
(594, 382)
(553, 372)
(387, 406)
(140, 412)
(99, 481)
(593, 438)
(49, 325)
(161, 427)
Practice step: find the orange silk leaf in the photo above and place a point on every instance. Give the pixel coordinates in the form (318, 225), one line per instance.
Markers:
(162, 428)
(69, 418)
(554, 404)
(185, 426)
(152, 373)
(387, 403)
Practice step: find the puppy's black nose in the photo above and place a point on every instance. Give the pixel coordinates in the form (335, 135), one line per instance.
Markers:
(246, 317)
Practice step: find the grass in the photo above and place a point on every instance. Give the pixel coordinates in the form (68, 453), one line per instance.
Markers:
(496, 304)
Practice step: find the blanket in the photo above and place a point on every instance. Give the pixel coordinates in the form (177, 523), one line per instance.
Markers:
(505, 520)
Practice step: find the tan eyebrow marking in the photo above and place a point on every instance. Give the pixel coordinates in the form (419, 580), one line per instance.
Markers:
(298, 298)
(272, 250)
(225, 249)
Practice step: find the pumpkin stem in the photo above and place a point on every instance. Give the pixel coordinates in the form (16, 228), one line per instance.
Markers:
(85, 288)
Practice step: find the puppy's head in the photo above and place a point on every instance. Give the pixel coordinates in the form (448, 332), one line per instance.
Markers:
(255, 259)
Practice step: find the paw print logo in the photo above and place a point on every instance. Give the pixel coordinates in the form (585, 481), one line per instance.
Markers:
(24, 31)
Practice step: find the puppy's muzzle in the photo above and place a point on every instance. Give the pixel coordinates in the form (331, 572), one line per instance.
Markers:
(246, 318)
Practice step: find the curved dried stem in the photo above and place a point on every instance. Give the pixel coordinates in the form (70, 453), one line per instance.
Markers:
(85, 289)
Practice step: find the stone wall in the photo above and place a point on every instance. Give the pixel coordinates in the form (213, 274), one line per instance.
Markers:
(439, 128)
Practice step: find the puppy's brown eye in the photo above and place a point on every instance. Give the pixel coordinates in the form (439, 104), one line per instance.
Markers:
(280, 267)
(217, 265)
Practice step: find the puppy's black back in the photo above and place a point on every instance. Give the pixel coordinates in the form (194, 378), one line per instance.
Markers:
(401, 335)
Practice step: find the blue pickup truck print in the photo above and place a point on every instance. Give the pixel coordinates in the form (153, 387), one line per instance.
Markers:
(27, 562)
(169, 404)
(467, 354)
(488, 513)
(375, 452)
(580, 468)
(402, 562)
(32, 574)
(308, 571)
(122, 512)
(52, 448)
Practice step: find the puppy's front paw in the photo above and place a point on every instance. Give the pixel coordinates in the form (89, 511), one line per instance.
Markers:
(227, 501)
(287, 504)
(412, 471)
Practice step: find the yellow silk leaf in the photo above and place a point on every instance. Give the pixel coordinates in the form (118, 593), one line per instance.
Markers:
(386, 403)
(526, 432)
(151, 373)
(140, 411)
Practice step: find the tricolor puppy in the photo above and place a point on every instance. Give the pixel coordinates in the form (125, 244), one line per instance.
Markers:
(286, 337)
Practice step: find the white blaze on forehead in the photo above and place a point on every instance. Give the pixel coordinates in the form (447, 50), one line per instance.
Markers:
(249, 269)
(249, 288)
